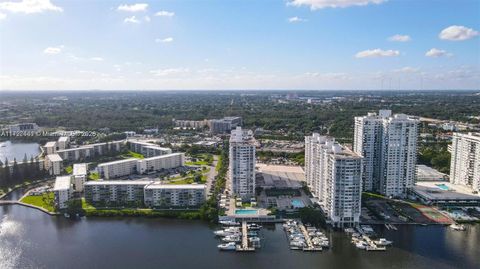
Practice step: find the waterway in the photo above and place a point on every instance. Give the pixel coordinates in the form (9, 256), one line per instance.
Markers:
(18, 150)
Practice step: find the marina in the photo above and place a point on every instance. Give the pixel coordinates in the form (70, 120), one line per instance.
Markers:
(304, 238)
(242, 239)
(362, 238)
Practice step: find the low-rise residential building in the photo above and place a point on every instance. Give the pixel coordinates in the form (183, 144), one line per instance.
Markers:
(53, 163)
(117, 168)
(144, 193)
(80, 171)
(225, 125)
(90, 150)
(115, 192)
(169, 195)
(131, 166)
(76, 154)
(157, 163)
(63, 191)
(147, 149)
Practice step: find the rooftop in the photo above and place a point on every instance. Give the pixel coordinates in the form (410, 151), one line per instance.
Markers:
(54, 157)
(442, 191)
(51, 144)
(163, 156)
(62, 183)
(119, 161)
(176, 187)
(117, 182)
(63, 139)
(80, 169)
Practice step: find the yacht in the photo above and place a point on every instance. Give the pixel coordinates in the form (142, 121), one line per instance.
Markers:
(226, 232)
(383, 242)
(254, 226)
(458, 227)
(229, 223)
(227, 246)
(361, 245)
(232, 238)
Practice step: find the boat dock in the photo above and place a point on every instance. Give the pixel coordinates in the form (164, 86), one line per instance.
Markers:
(244, 246)
(308, 240)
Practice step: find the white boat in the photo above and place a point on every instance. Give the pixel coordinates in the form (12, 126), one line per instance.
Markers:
(254, 226)
(227, 246)
(232, 238)
(361, 245)
(229, 223)
(383, 242)
(458, 227)
(226, 232)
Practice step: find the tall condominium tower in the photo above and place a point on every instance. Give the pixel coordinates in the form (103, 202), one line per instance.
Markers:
(242, 163)
(388, 145)
(334, 175)
(465, 163)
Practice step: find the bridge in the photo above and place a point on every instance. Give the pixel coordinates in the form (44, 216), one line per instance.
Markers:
(7, 202)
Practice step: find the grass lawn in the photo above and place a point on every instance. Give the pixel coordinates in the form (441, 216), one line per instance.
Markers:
(131, 154)
(45, 201)
(69, 169)
(94, 176)
(188, 180)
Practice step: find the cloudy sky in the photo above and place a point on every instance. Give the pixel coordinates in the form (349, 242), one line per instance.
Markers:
(239, 44)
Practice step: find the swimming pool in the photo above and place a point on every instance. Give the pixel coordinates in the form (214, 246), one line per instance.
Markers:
(443, 187)
(246, 211)
(297, 203)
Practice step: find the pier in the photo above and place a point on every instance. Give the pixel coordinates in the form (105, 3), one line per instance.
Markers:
(244, 246)
(308, 240)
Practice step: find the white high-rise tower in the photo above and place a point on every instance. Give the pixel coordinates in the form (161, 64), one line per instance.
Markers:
(242, 163)
(334, 176)
(388, 145)
(465, 162)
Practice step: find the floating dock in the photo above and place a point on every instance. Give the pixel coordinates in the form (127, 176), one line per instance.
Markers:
(308, 239)
(244, 246)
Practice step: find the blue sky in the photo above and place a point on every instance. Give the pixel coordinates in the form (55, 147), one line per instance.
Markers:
(239, 44)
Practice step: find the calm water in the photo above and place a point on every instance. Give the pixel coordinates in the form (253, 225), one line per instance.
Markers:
(31, 239)
(18, 150)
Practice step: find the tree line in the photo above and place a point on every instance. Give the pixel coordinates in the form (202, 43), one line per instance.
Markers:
(14, 173)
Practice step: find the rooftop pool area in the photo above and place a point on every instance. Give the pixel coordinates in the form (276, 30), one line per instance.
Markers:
(246, 212)
(297, 203)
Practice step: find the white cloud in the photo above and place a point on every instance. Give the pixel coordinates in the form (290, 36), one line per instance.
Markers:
(169, 72)
(147, 18)
(377, 53)
(2, 16)
(400, 38)
(164, 40)
(133, 8)
(164, 13)
(296, 19)
(30, 6)
(407, 69)
(457, 33)
(319, 4)
(53, 50)
(131, 19)
(97, 59)
(434, 52)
